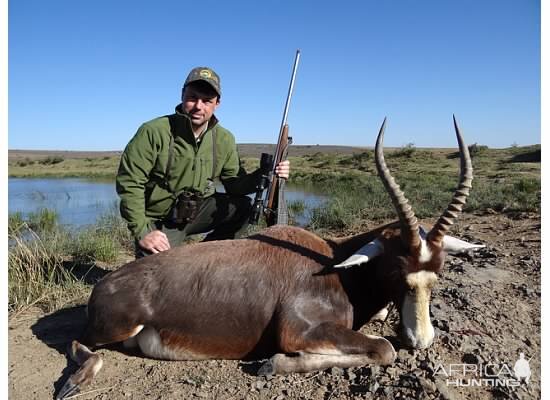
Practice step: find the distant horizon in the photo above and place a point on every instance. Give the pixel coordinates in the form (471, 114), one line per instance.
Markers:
(294, 145)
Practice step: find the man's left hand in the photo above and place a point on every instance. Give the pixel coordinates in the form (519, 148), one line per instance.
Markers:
(283, 169)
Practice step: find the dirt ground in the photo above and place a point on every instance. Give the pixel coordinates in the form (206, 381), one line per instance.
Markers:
(485, 309)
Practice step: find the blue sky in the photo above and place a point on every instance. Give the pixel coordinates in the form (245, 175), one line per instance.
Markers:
(85, 75)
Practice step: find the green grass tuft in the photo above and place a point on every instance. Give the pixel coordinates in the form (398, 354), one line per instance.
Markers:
(15, 222)
(92, 245)
(44, 220)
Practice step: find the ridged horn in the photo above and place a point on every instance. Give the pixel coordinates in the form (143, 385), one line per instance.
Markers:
(462, 192)
(409, 223)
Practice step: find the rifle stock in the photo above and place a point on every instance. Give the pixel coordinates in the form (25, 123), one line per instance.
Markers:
(280, 155)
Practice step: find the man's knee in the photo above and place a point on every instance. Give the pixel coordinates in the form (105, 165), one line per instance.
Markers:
(243, 204)
(231, 207)
(241, 215)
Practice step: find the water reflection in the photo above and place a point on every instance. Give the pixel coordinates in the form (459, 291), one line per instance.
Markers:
(80, 202)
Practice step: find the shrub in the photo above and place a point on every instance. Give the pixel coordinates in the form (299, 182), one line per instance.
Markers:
(526, 154)
(406, 151)
(477, 149)
(50, 160)
(361, 161)
(23, 163)
(367, 155)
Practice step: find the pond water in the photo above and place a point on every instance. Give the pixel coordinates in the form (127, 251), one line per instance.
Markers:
(80, 202)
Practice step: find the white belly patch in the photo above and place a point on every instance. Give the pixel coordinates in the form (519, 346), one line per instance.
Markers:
(151, 345)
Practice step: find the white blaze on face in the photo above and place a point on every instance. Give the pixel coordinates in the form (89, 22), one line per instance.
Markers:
(415, 313)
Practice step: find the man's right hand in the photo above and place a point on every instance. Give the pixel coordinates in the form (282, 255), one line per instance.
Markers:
(155, 242)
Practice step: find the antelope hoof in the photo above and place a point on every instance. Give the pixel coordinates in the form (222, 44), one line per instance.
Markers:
(267, 368)
(68, 389)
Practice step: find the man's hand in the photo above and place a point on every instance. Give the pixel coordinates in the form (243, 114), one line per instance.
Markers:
(155, 242)
(283, 169)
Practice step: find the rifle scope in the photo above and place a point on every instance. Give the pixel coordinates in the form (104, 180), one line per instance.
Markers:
(266, 164)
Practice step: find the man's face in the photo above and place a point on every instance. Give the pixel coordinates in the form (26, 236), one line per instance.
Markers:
(199, 103)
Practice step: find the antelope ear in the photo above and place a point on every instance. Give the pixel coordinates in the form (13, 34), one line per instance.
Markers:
(364, 254)
(453, 245)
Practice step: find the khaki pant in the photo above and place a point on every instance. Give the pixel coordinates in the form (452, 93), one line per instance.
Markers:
(222, 216)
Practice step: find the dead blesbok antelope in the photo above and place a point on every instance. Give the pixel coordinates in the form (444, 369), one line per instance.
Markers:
(283, 292)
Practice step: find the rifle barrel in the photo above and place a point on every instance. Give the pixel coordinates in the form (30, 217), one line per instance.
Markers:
(290, 88)
(287, 105)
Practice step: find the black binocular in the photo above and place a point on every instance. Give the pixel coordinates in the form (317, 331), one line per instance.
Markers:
(186, 207)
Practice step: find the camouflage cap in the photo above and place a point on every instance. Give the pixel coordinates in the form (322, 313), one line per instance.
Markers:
(204, 74)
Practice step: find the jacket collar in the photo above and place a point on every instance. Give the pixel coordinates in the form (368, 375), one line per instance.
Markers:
(179, 112)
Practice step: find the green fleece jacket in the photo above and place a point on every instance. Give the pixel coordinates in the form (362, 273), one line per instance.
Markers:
(141, 178)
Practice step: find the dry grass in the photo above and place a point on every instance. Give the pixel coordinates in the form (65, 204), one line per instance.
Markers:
(37, 274)
(41, 261)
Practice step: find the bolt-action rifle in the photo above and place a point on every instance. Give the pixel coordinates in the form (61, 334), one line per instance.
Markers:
(274, 205)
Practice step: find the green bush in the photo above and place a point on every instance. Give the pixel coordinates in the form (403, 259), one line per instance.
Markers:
(51, 160)
(406, 151)
(477, 149)
(361, 161)
(23, 163)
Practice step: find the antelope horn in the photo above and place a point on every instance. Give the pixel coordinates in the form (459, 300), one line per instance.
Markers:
(409, 223)
(462, 192)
